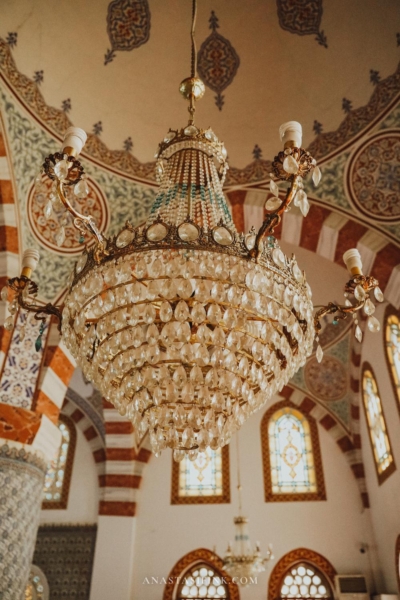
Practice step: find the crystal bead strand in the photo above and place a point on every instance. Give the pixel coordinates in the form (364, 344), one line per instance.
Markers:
(202, 213)
(210, 206)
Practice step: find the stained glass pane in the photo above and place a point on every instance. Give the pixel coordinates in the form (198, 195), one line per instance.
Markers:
(393, 350)
(376, 423)
(202, 581)
(54, 479)
(291, 455)
(203, 476)
(305, 581)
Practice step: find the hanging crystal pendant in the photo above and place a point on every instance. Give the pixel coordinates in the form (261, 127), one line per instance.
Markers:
(290, 165)
(61, 170)
(273, 188)
(319, 354)
(358, 334)
(373, 324)
(316, 175)
(60, 236)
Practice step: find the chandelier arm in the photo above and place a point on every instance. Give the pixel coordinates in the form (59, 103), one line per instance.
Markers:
(84, 223)
(41, 312)
(273, 219)
(332, 309)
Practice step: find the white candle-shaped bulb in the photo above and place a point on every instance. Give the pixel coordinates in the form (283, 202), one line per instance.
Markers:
(74, 138)
(352, 260)
(291, 133)
(30, 259)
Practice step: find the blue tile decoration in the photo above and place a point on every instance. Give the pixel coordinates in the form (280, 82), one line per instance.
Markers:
(217, 62)
(128, 26)
(302, 17)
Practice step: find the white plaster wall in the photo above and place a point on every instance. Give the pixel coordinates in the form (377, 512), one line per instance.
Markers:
(83, 500)
(384, 499)
(335, 527)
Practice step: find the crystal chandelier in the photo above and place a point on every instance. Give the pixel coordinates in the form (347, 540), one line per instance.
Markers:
(184, 325)
(241, 560)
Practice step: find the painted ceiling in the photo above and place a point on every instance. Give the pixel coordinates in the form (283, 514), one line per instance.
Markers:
(114, 68)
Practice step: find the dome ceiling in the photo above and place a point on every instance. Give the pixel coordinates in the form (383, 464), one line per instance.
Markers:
(114, 68)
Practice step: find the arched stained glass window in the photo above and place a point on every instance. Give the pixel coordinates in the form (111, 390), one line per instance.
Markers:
(392, 343)
(291, 455)
(204, 480)
(378, 434)
(58, 476)
(199, 575)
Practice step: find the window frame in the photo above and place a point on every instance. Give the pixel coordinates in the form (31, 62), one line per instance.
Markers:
(382, 477)
(270, 496)
(391, 312)
(294, 558)
(224, 498)
(187, 562)
(62, 503)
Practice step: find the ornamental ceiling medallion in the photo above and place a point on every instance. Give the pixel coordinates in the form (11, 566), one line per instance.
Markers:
(45, 217)
(326, 380)
(218, 61)
(128, 26)
(373, 176)
(302, 17)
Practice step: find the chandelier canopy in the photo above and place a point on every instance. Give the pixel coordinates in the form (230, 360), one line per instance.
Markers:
(186, 326)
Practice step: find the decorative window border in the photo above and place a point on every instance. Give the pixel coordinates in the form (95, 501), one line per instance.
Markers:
(397, 563)
(320, 494)
(391, 311)
(392, 467)
(63, 502)
(293, 558)
(202, 555)
(224, 498)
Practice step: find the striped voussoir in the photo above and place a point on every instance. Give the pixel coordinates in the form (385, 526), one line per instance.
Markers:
(327, 233)
(355, 407)
(57, 369)
(90, 432)
(123, 466)
(351, 448)
(9, 243)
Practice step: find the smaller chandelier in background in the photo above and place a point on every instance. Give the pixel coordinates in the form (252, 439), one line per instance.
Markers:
(242, 560)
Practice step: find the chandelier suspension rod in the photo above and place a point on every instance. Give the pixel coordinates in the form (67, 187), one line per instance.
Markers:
(193, 64)
(239, 484)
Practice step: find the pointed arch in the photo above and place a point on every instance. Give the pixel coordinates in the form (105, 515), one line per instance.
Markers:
(285, 423)
(391, 338)
(58, 477)
(297, 557)
(376, 425)
(201, 556)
